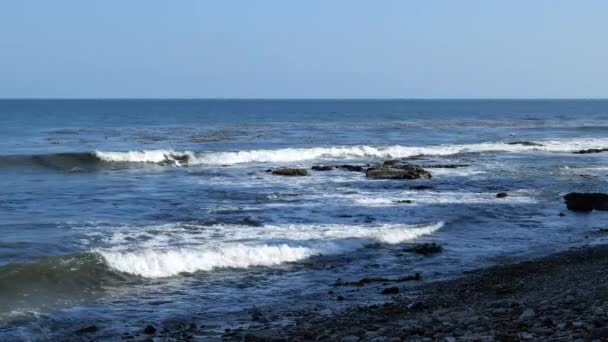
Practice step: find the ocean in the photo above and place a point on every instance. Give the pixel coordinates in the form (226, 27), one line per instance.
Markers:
(127, 213)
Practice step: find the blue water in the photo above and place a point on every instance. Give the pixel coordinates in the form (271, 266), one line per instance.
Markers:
(122, 213)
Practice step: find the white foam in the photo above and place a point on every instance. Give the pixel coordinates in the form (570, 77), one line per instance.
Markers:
(345, 152)
(226, 246)
(145, 156)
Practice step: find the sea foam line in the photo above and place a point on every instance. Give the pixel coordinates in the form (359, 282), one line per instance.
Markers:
(340, 152)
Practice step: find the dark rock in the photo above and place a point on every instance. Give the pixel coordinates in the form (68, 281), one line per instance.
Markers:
(445, 166)
(88, 330)
(150, 329)
(585, 202)
(426, 248)
(364, 281)
(591, 150)
(403, 201)
(524, 143)
(391, 162)
(421, 187)
(399, 172)
(562, 214)
(322, 168)
(353, 168)
(415, 306)
(390, 291)
(290, 172)
(501, 195)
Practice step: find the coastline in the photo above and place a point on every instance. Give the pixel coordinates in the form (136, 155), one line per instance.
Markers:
(563, 296)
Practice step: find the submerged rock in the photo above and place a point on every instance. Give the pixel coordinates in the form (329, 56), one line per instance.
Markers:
(398, 172)
(322, 167)
(591, 150)
(87, 330)
(290, 172)
(501, 195)
(426, 248)
(524, 143)
(421, 187)
(580, 201)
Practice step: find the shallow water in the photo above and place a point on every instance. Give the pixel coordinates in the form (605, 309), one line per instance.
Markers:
(126, 213)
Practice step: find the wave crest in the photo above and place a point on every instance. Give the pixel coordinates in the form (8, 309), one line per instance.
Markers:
(326, 240)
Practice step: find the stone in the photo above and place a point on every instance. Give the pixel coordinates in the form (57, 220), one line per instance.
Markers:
(290, 172)
(527, 314)
(415, 306)
(402, 172)
(390, 291)
(502, 195)
(149, 330)
(591, 150)
(322, 168)
(426, 248)
(586, 202)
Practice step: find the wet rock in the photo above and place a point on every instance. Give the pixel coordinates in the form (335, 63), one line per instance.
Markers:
(586, 202)
(390, 291)
(562, 214)
(402, 172)
(502, 195)
(426, 248)
(591, 150)
(353, 168)
(524, 143)
(150, 329)
(290, 172)
(403, 201)
(421, 187)
(88, 330)
(322, 168)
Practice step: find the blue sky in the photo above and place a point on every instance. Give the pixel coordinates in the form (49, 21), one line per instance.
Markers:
(304, 49)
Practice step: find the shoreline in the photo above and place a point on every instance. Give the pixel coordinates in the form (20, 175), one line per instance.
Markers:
(563, 296)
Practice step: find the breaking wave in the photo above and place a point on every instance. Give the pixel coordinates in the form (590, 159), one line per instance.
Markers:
(282, 244)
(342, 152)
(87, 161)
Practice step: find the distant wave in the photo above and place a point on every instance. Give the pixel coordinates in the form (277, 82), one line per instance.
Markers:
(341, 152)
(87, 161)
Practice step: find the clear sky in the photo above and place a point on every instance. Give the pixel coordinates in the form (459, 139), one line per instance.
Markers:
(304, 49)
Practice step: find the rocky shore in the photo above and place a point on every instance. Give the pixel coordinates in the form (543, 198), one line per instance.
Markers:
(562, 297)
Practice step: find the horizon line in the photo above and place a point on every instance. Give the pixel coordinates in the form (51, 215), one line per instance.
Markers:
(306, 98)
